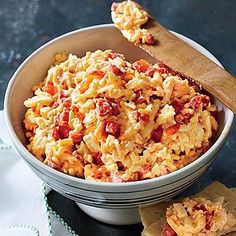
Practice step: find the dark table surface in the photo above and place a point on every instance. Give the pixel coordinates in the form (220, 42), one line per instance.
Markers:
(26, 25)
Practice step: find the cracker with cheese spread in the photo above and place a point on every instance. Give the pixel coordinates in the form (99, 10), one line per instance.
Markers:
(210, 212)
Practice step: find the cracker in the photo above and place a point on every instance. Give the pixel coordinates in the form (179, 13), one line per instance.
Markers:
(153, 217)
(154, 213)
(154, 228)
(216, 190)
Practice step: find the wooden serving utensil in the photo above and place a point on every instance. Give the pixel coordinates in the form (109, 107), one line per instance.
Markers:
(181, 57)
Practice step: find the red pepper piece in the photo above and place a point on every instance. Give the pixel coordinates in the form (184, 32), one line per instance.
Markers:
(107, 107)
(55, 133)
(172, 129)
(120, 165)
(150, 40)
(168, 231)
(77, 156)
(138, 175)
(205, 101)
(97, 158)
(77, 137)
(97, 73)
(78, 114)
(164, 69)
(139, 97)
(157, 134)
(199, 207)
(49, 88)
(114, 6)
(150, 71)
(116, 70)
(205, 147)
(177, 106)
(143, 117)
(64, 94)
(113, 128)
(199, 101)
(141, 65)
(126, 77)
(75, 109)
(103, 107)
(65, 116)
(66, 102)
(115, 107)
(64, 130)
(114, 55)
(184, 116)
(209, 216)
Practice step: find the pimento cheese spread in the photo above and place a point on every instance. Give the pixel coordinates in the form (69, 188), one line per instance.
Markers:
(128, 17)
(103, 118)
(198, 217)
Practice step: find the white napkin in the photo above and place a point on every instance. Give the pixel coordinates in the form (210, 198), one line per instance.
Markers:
(22, 201)
(23, 206)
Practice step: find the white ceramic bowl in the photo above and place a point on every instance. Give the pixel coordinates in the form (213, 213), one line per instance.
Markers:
(114, 203)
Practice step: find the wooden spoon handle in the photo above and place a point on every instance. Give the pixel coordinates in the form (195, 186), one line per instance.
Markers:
(183, 58)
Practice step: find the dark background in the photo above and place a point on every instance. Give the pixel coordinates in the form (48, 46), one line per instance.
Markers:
(26, 25)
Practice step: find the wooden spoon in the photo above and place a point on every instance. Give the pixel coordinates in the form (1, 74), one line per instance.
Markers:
(181, 57)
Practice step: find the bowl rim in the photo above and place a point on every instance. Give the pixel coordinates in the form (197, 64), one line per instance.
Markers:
(31, 158)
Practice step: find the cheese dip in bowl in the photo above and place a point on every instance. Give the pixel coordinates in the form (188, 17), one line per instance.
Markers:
(111, 132)
(104, 119)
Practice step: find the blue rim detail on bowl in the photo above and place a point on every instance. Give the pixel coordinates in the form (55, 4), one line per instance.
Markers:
(106, 202)
(103, 205)
(118, 192)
